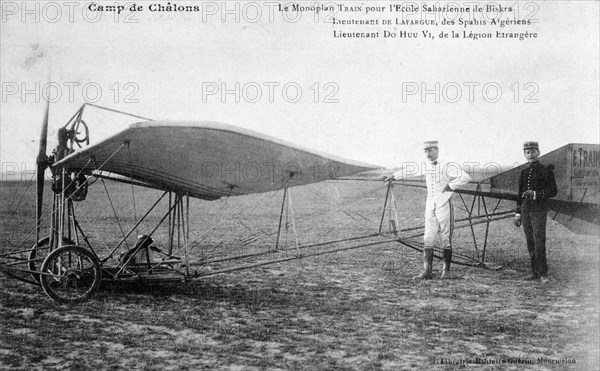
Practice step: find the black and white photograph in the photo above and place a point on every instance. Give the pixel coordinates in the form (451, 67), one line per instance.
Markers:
(299, 185)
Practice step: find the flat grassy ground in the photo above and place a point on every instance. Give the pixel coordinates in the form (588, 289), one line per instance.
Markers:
(357, 309)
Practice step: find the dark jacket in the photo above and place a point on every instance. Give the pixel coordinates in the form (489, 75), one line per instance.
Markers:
(538, 178)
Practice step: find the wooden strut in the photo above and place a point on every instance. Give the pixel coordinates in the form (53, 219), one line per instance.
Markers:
(477, 213)
(291, 205)
(179, 218)
(487, 217)
(307, 246)
(170, 231)
(387, 195)
(307, 255)
(185, 230)
(135, 227)
(394, 223)
(280, 218)
(470, 219)
(124, 266)
(178, 215)
(285, 204)
(394, 226)
(487, 226)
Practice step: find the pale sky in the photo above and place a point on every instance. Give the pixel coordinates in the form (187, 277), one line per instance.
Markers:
(165, 59)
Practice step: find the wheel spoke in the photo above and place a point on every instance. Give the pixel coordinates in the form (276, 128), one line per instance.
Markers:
(71, 274)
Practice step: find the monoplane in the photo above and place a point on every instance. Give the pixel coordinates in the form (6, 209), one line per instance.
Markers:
(179, 160)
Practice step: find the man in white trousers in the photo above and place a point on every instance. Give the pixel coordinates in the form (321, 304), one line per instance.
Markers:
(442, 179)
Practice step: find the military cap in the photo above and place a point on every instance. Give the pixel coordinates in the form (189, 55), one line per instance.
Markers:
(430, 144)
(530, 145)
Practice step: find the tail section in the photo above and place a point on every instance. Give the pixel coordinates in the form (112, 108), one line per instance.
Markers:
(577, 174)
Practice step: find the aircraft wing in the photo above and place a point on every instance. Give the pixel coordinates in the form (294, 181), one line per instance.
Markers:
(207, 160)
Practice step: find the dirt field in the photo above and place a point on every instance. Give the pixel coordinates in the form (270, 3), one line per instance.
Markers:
(358, 309)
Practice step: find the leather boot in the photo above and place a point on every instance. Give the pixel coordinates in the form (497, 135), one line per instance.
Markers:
(533, 277)
(447, 261)
(427, 265)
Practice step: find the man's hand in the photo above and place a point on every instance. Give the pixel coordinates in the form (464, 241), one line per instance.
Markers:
(529, 195)
(385, 178)
(517, 220)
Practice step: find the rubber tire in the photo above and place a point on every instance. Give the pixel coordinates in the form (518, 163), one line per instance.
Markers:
(48, 281)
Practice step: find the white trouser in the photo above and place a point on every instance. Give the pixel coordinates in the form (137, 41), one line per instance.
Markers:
(439, 219)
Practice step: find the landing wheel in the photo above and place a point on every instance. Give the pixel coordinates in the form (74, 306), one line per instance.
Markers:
(38, 253)
(70, 274)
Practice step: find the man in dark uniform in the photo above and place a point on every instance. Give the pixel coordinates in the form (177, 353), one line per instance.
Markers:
(536, 185)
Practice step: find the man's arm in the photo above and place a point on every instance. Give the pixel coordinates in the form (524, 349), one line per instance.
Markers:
(520, 194)
(457, 177)
(517, 218)
(389, 177)
(550, 190)
(546, 188)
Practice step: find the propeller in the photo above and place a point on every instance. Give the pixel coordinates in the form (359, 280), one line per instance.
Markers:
(41, 165)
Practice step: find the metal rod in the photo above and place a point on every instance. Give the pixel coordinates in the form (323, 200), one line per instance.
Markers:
(112, 206)
(293, 219)
(61, 210)
(461, 220)
(280, 218)
(387, 194)
(460, 226)
(117, 111)
(68, 221)
(169, 228)
(77, 113)
(143, 242)
(487, 228)
(177, 211)
(187, 221)
(397, 220)
(124, 180)
(133, 228)
(484, 204)
(475, 263)
(254, 265)
(301, 247)
(73, 123)
(85, 239)
(52, 221)
(470, 212)
(186, 246)
(172, 225)
(486, 216)
(472, 205)
(496, 207)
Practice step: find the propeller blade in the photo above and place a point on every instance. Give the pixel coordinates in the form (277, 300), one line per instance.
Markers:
(42, 163)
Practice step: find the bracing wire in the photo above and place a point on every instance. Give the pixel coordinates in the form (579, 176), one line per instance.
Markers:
(132, 186)
(114, 211)
(348, 202)
(24, 192)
